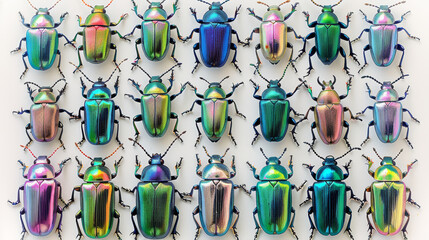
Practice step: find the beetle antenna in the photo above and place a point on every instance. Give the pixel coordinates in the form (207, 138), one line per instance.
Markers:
(80, 150)
(320, 83)
(133, 140)
(171, 144)
(170, 69)
(162, 2)
(26, 147)
(225, 152)
(401, 77)
(62, 144)
(87, 78)
(316, 4)
(87, 4)
(284, 72)
(371, 5)
(223, 79)
(259, 73)
(53, 5)
(202, 2)
(282, 154)
(205, 80)
(335, 80)
(114, 151)
(375, 80)
(60, 80)
(149, 1)
(397, 155)
(337, 3)
(262, 151)
(350, 150)
(376, 153)
(224, 2)
(263, 3)
(32, 84)
(116, 68)
(205, 150)
(108, 4)
(284, 2)
(396, 4)
(311, 147)
(143, 71)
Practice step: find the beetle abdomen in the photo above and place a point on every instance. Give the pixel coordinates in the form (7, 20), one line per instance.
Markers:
(42, 46)
(155, 205)
(44, 121)
(40, 204)
(156, 114)
(388, 206)
(388, 120)
(214, 115)
(96, 43)
(99, 121)
(327, 42)
(273, 38)
(215, 41)
(156, 39)
(274, 119)
(383, 40)
(329, 122)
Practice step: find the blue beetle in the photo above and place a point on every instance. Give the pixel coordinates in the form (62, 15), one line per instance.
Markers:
(215, 36)
(383, 37)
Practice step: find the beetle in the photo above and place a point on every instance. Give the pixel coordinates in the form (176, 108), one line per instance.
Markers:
(215, 34)
(388, 112)
(388, 197)
(41, 195)
(155, 32)
(97, 35)
(329, 113)
(327, 34)
(383, 37)
(97, 198)
(42, 40)
(214, 110)
(99, 111)
(273, 33)
(274, 197)
(155, 104)
(44, 113)
(216, 197)
(155, 218)
(274, 110)
(329, 196)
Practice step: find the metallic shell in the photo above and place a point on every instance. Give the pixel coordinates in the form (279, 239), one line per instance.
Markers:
(214, 115)
(42, 46)
(41, 171)
(273, 37)
(327, 37)
(388, 120)
(215, 41)
(99, 121)
(329, 122)
(96, 43)
(155, 39)
(383, 40)
(274, 119)
(44, 121)
(156, 109)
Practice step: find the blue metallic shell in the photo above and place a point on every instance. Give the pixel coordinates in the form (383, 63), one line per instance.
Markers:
(274, 119)
(388, 120)
(42, 47)
(383, 40)
(99, 121)
(215, 41)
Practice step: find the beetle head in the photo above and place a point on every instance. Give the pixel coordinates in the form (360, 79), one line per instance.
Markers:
(388, 171)
(98, 9)
(327, 85)
(41, 168)
(215, 89)
(216, 6)
(216, 169)
(42, 11)
(155, 4)
(273, 170)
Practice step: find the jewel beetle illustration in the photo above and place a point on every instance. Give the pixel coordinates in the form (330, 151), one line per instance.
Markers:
(97, 198)
(215, 34)
(383, 36)
(327, 34)
(388, 197)
(216, 197)
(42, 40)
(274, 197)
(42, 193)
(388, 112)
(214, 110)
(44, 113)
(155, 217)
(329, 196)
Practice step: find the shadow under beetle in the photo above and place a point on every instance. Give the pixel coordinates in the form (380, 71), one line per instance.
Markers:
(388, 197)
(41, 195)
(216, 197)
(215, 36)
(383, 37)
(44, 113)
(388, 112)
(42, 40)
(214, 110)
(328, 35)
(155, 197)
(329, 196)
(99, 111)
(274, 197)
(97, 198)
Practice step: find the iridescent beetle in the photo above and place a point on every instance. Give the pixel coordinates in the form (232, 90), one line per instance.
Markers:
(41, 195)
(388, 112)
(42, 40)
(44, 113)
(388, 197)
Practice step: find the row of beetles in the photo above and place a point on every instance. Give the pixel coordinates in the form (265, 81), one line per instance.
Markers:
(155, 210)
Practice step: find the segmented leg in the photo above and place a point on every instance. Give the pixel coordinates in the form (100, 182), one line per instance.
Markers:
(234, 59)
(310, 66)
(24, 231)
(405, 124)
(347, 126)
(366, 48)
(137, 118)
(25, 65)
(174, 231)
(59, 63)
(135, 232)
(117, 232)
(230, 131)
(291, 227)
(234, 226)
(257, 135)
(137, 59)
(79, 232)
(195, 213)
(370, 124)
(257, 226)
(348, 230)
(197, 61)
(343, 54)
(198, 120)
(175, 131)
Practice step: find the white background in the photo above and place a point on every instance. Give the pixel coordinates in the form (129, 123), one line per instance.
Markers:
(14, 96)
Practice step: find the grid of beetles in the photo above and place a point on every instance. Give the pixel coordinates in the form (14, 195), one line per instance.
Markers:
(160, 76)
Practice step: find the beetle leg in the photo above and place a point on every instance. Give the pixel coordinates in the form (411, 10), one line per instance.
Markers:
(366, 30)
(411, 115)
(59, 230)
(198, 120)
(79, 168)
(194, 213)
(192, 107)
(309, 189)
(312, 227)
(255, 124)
(80, 48)
(234, 86)
(137, 59)
(25, 65)
(253, 14)
(404, 229)
(352, 54)
(182, 196)
(61, 126)
(113, 47)
(313, 136)
(194, 13)
(370, 227)
(363, 112)
(405, 124)
(291, 12)
(346, 69)
(117, 189)
(137, 118)
(137, 86)
(250, 38)
(297, 189)
(352, 195)
(366, 48)
(82, 132)
(347, 126)
(79, 232)
(24, 167)
(23, 20)
(235, 14)
(135, 232)
(310, 64)
(242, 187)
(348, 230)
(291, 227)
(234, 59)
(20, 112)
(120, 112)
(117, 232)
(197, 62)
(370, 124)
(307, 19)
(174, 231)
(173, 115)
(67, 40)
(257, 226)
(346, 109)
(308, 37)
(59, 63)
(139, 26)
(60, 195)
(28, 128)
(405, 94)
(238, 38)
(24, 231)
(364, 201)
(230, 131)
(116, 166)
(293, 122)
(258, 60)
(71, 200)
(117, 133)
(234, 226)
(342, 25)
(195, 187)
(290, 29)
(18, 200)
(230, 101)
(129, 190)
(182, 88)
(61, 165)
(19, 46)
(401, 48)
(410, 200)
(172, 41)
(253, 169)
(291, 61)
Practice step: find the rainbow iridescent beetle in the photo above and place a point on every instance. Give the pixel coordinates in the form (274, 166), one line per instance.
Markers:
(42, 40)
(41, 195)
(216, 197)
(155, 32)
(328, 35)
(383, 37)
(329, 196)
(44, 113)
(274, 197)
(388, 112)
(214, 110)
(97, 35)
(388, 197)
(97, 198)
(155, 217)
(329, 113)
(273, 33)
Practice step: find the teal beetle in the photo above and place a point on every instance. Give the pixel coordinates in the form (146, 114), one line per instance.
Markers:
(155, 105)
(274, 197)
(329, 198)
(327, 34)
(214, 110)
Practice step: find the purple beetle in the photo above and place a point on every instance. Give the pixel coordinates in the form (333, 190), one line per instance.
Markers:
(329, 113)
(41, 195)
(388, 112)
(44, 114)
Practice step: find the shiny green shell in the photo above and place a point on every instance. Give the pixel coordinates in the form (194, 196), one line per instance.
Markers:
(156, 109)
(45, 95)
(155, 30)
(274, 111)
(99, 121)
(327, 36)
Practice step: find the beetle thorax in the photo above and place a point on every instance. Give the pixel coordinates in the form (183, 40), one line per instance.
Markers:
(274, 92)
(45, 95)
(42, 19)
(387, 93)
(215, 14)
(41, 169)
(328, 96)
(99, 90)
(155, 87)
(273, 171)
(156, 171)
(384, 16)
(155, 12)
(388, 171)
(327, 16)
(214, 92)
(273, 14)
(216, 169)
(98, 17)
(98, 172)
